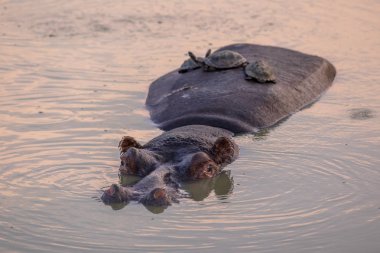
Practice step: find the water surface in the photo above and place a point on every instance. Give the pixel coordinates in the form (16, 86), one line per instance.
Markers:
(73, 80)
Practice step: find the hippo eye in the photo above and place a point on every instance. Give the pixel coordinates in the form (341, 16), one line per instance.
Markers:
(209, 168)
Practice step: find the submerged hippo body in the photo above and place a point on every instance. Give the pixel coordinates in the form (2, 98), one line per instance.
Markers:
(227, 100)
(182, 154)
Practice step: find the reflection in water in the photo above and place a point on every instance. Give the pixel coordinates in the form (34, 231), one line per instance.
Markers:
(261, 134)
(201, 189)
(155, 209)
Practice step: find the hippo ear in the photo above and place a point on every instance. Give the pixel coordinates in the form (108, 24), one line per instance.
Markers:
(127, 142)
(223, 151)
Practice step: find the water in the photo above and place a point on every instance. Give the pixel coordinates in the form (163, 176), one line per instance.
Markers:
(73, 81)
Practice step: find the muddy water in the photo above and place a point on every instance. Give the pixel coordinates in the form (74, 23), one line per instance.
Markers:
(73, 80)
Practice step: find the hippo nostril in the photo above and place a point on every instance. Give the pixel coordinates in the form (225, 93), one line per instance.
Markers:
(114, 189)
(159, 193)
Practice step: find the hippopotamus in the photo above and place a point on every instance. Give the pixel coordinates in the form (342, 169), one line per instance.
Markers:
(227, 100)
(202, 110)
(183, 154)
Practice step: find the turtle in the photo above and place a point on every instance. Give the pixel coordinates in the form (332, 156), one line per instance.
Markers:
(188, 65)
(191, 64)
(259, 71)
(223, 59)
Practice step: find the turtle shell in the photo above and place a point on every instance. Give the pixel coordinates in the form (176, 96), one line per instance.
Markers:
(225, 59)
(188, 65)
(260, 71)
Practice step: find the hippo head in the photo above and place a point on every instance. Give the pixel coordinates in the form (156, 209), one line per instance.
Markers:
(191, 164)
(164, 163)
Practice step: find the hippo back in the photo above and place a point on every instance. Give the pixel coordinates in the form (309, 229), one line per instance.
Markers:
(225, 99)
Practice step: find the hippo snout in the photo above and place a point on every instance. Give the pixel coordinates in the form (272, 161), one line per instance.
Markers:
(114, 194)
(158, 197)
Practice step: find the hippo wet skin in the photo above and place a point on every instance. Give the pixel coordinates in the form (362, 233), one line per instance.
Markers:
(182, 154)
(225, 99)
(201, 110)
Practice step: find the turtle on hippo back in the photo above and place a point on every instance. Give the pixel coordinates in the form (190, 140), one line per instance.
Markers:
(193, 62)
(219, 60)
(258, 70)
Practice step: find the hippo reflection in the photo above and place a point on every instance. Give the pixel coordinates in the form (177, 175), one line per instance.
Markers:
(182, 154)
